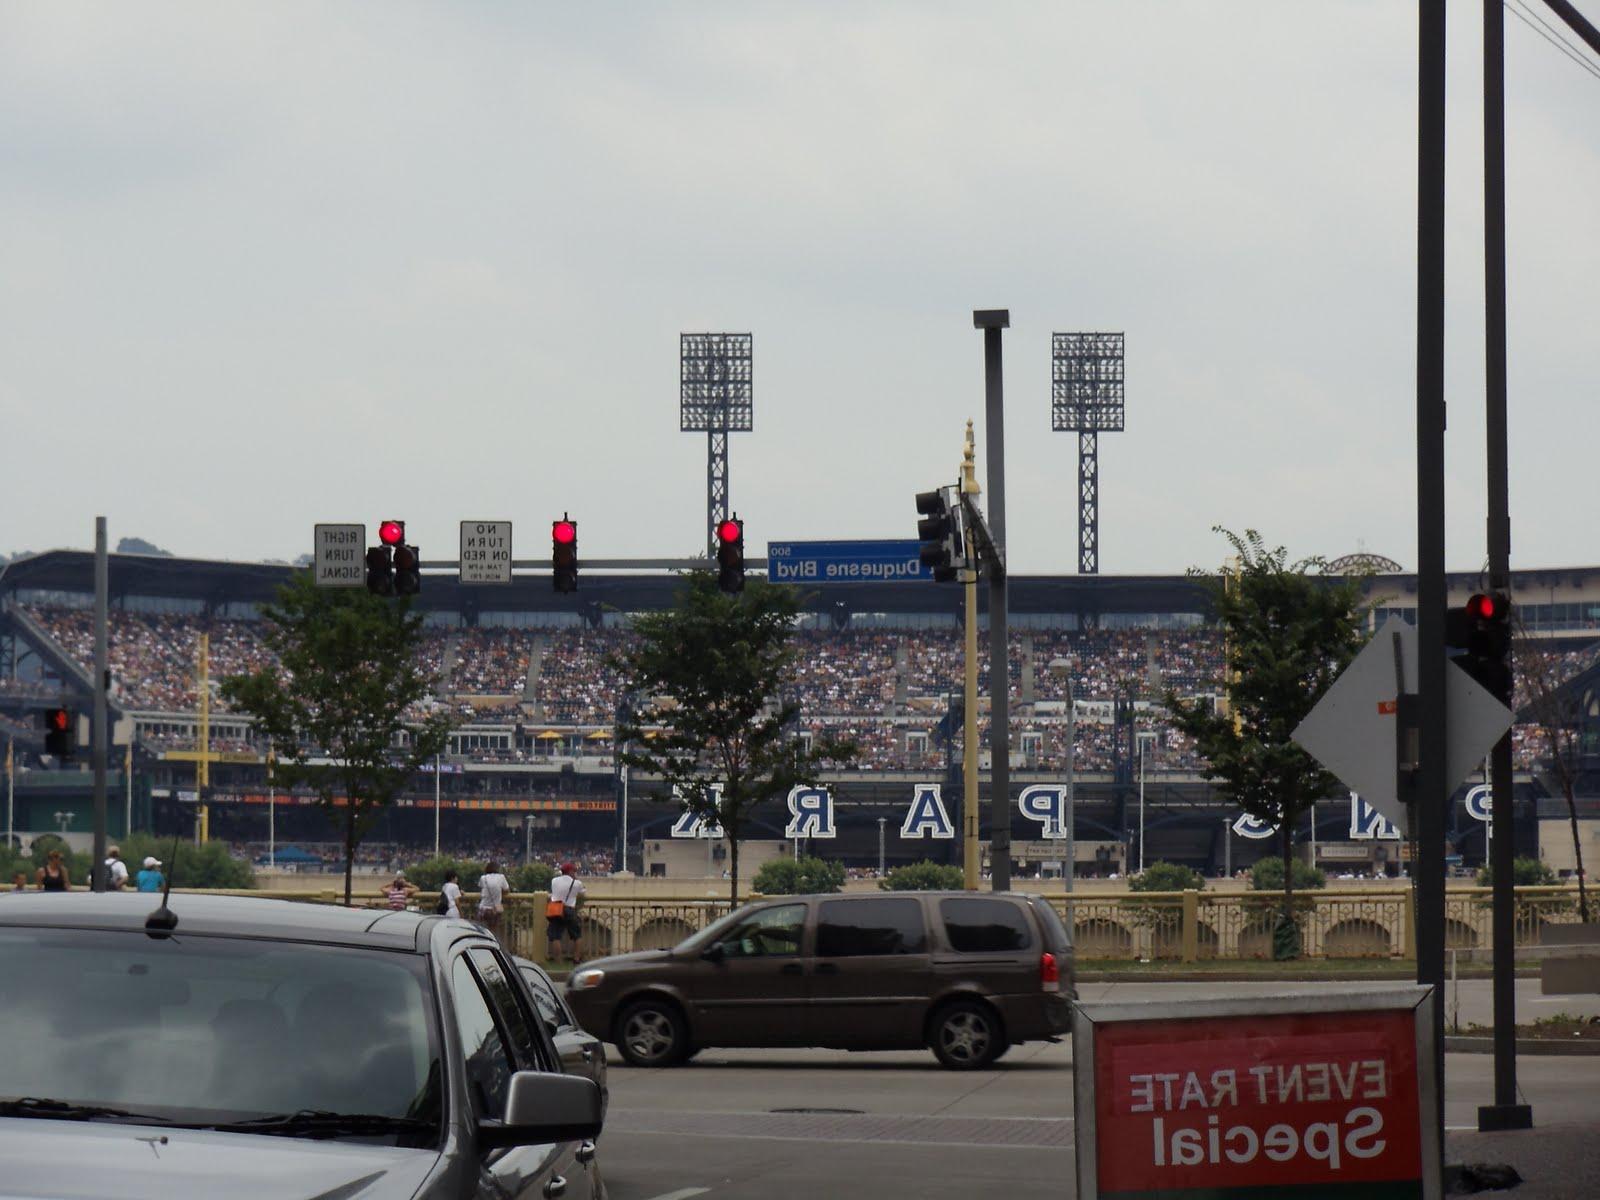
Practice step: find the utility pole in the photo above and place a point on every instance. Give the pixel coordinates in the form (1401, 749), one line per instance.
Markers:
(98, 731)
(202, 781)
(992, 322)
(1505, 1112)
(971, 858)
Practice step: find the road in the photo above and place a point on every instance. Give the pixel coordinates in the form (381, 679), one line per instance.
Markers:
(735, 1124)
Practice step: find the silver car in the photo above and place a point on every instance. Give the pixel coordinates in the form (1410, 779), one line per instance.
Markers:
(263, 1048)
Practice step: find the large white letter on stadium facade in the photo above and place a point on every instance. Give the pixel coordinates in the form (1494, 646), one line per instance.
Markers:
(810, 813)
(690, 826)
(927, 816)
(1253, 827)
(1043, 802)
(1367, 823)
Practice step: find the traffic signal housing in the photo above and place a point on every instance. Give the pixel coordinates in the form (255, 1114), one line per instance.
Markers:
(564, 554)
(730, 555)
(940, 535)
(1481, 631)
(380, 571)
(60, 732)
(407, 570)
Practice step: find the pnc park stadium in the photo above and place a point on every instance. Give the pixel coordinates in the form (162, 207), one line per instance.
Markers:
(525, 670)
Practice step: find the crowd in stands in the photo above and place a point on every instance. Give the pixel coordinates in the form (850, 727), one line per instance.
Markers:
(888, 691)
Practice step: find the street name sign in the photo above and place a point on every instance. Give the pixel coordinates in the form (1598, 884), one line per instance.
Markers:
(339, 555)
(486, 552)
(845, 561)
(1353, 730)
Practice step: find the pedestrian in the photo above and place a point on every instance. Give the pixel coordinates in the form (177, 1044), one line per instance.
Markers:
(450, 895)
(561, 913)
(399, 891)
(19, 882)
(492, 889)
(116, 870)
(150, 878)
(53, 875)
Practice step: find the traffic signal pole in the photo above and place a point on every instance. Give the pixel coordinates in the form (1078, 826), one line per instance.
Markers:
(1505, 1112)
(971, 857)
(102, 668)
(992, 321)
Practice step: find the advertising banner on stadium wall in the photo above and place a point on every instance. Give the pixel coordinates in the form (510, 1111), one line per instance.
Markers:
(1314, 1095)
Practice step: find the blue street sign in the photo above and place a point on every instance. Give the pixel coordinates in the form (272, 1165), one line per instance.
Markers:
(845, 562)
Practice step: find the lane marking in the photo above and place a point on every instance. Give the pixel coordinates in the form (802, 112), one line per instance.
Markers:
(681, 1194)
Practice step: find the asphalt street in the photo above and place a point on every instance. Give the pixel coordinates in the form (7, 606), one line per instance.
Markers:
(739, 1124)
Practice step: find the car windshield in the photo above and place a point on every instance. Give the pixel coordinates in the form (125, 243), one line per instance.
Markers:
(714, 931)
(209, 1030)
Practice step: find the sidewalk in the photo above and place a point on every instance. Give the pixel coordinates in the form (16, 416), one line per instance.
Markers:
(1561, 1162)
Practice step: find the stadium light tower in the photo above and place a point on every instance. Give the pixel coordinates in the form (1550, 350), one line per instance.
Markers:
(714, 398)
(1086, 399)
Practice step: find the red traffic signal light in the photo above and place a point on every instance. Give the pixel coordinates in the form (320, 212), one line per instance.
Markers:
(391, 533)
(1485, 606)
(730, 531)
(730, 555)
(564, 554)
(60, 738)
(58, 719)
(563, 532)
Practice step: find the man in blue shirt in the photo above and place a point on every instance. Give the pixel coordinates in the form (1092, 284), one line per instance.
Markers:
(150, 879)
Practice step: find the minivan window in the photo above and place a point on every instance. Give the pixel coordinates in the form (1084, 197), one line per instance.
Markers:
(852, 928)
(514, 1015)
(489, 1063)
(765, 933)
(976, 926)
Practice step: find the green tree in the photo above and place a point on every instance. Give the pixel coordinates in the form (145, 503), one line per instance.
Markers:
(1556, 709)
(924, 876)
(1267, 876)
(336, 706)
(714, 668)
(207, 866)
(1167, 877)
(798, 877)
(1288, 633)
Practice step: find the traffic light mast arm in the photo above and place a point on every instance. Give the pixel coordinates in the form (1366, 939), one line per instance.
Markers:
(990, 560)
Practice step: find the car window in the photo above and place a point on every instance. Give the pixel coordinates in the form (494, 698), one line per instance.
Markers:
(849, 928)
(216, 1028)
(483, 1046)
(766, 933)
(544, 996)
(515, 1018)
(978, 926)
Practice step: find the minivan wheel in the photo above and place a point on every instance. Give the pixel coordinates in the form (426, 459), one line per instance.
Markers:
(966, 1036)
(651, 1033)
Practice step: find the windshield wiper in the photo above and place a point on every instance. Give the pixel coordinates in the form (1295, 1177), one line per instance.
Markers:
(317, 1123)
(61, 1110)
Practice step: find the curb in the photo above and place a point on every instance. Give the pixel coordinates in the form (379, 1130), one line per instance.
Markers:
(1352, 976)
(1549, 1046)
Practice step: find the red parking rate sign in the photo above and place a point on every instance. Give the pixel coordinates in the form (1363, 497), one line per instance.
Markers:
(1305, 1104)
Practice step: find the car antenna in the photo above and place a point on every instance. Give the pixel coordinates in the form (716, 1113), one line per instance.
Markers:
(164, 920)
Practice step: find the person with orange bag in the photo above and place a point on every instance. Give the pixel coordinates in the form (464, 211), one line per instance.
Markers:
(561, 913)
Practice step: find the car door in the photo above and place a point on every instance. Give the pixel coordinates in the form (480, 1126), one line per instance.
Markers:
(870, 972)
(749, 987)
(498, 1037)
(581, 1053)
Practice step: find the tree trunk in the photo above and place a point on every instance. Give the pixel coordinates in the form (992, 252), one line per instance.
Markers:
(733, 869)
(349, 846)
(1287, 922)
(1577, 848)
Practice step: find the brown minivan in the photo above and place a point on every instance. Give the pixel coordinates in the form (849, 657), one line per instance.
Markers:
(966, 974)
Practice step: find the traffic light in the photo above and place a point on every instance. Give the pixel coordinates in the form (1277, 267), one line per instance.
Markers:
(60, 732)
(730, 555)
(380, 571)
(1481, 630)
(407, 570)
(564, 554)
(940, 536)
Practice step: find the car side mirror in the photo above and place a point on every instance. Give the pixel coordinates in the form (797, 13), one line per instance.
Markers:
(714, 953)
(544, 1107)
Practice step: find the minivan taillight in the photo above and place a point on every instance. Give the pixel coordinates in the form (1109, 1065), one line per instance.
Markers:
(1049, 972)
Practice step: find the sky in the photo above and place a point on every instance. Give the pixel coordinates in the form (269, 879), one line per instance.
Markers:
(268, 265)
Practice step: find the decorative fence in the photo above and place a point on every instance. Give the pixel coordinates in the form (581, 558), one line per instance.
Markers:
(1181, 926)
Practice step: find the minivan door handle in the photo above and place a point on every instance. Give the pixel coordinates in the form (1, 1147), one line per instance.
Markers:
(791, 969)
(827, 968)
(556, 1187)
(585, 1153)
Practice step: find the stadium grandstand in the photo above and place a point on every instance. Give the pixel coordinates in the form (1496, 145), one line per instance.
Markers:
(526, 673)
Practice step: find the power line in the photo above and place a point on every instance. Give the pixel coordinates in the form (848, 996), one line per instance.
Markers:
(1552, 36)
(1553, 30)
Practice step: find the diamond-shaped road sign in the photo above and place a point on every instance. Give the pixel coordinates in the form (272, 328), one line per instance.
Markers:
(1353, 729)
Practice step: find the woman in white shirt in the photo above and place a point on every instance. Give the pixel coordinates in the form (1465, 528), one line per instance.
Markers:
(452, 894)
(492, 889)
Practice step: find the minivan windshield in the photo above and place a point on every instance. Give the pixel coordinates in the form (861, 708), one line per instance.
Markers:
(194, 1030)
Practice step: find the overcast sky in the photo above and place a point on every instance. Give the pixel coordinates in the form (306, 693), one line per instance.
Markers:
(273, 264)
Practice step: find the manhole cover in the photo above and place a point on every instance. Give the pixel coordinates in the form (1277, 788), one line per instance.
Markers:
(827, 1112)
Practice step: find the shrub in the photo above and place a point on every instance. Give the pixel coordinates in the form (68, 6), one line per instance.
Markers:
(1167, 877)
(1525, 872)
(535, 877)
(207, 866)
(924, 876)
(1267, 875)
(797, 877)
(429, 873)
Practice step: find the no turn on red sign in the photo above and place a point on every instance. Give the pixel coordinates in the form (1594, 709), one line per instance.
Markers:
(1328, 1096)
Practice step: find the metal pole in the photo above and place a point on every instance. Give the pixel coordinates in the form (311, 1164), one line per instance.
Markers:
(1227, 848)
(1072, 797)
(992, 322)
(1505, 1112)
(98, 733)
(624, 816)
(1313, 835)
(1431, 794)
(436, 765)
(127, 779)
(11, 793)
(881, 821)
(272, 816)
(1141, 806)
(972, 856)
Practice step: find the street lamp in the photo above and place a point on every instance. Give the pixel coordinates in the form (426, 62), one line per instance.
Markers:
(1144, 739)
(1061, 668)
(64, 819)
(881, 821)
